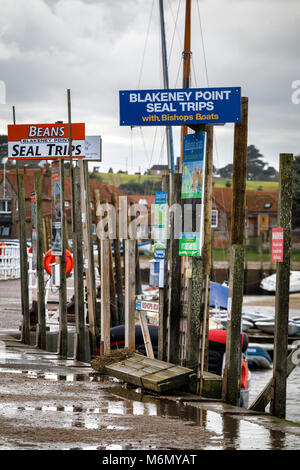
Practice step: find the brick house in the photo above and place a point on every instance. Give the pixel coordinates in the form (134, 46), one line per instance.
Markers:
(9, 199)
(261, 214)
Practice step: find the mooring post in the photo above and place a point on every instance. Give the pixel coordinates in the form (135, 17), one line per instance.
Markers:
(278, 401)
(105, 295)
(62, 344)
(118, 266)
(25, 329)
(231, 382)
(41, 326)
(174, 307)
(79, 343)
(98, 221)
(130, 246)
(23, 261)
(207, 245)
(88, 254)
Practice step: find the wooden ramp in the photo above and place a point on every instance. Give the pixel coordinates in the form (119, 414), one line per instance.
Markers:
(151, 374)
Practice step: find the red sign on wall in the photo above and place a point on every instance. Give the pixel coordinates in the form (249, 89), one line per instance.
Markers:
(277, 244)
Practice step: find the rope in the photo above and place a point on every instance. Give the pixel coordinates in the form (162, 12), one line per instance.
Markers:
(145, 45)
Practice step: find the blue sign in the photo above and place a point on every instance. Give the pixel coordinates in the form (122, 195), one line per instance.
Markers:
(179, 107)
(192, 170)
(160, 225)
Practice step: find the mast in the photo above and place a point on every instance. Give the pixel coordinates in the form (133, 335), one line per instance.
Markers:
(186, 64)
(169, 133)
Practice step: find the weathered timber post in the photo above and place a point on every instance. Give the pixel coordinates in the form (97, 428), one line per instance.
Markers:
(113, 292)
(105, 295)
(174, 307)
(45, 241)
(207, 246)
(98, 221)
(231, 382)
(263, 399)
(41, 326)
(138, 283)
(88, 254)
(23, 261)
(62, 344)
(79, 343)
(163, 291)
(25, 331)
(278, 401)
(118, 266)
(130, 247)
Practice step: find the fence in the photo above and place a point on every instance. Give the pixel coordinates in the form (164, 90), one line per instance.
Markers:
(9, 262)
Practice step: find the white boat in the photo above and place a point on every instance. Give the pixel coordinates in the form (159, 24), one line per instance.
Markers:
(222, 319)
(269, 327)
(269, 283)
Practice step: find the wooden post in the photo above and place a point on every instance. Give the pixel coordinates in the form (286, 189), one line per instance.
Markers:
(62, 345)
(41, 327)
(264, 398)
(23, 260)
(138, 283)
(174, 308)
(146, 335)
(45, 241)
(79, 344)
(278, 401)
(88, 254)
(195, 320)
(163, 297)
(98, 220)
(207, 246)
(25, 331)
(130, 246)
(118, 266)
(105, 296)
(231, 382)
(113, 293)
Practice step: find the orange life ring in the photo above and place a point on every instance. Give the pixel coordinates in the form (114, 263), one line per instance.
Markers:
(2, 250)
(50, 259)
(30, 249)
(244, 374)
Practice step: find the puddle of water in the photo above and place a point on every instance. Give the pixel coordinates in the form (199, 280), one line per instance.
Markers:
(90, 377)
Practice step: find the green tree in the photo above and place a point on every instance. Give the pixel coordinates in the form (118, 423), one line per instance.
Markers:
(255, 164)
(226, 171)
(257, 169)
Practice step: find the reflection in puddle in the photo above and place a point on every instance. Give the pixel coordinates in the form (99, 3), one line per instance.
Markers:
(214, 422)
(91, 377)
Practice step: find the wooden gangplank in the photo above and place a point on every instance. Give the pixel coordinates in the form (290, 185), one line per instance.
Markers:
(151, 374)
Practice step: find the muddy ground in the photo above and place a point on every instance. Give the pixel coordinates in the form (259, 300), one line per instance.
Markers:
(46, 403)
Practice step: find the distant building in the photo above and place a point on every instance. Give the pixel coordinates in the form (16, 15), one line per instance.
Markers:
(159, 170)
(261, 214)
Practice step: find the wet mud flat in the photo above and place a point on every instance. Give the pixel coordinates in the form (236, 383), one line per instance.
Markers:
(51, 403)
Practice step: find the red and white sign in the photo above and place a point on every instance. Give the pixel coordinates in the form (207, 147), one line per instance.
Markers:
(147, 306)
(277, 244)
(45, 141)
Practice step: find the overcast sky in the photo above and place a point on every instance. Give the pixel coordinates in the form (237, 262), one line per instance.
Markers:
(98, 47)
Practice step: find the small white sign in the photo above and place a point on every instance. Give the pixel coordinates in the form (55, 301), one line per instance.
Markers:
(93, 148)
(229, 306)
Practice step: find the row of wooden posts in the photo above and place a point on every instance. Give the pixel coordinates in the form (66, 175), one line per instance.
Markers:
(197, 276)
